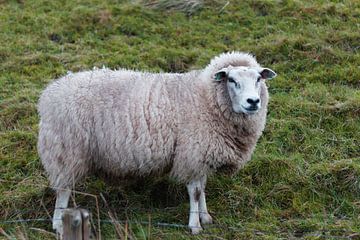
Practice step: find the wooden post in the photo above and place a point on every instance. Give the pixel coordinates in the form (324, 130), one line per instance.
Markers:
(86, 227)
(76, 223)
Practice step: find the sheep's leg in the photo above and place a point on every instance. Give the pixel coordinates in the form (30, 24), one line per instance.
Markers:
(194, 190)
(204, 214)
(62, 201)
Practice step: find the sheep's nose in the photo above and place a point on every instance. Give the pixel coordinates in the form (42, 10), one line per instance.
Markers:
(253, 101)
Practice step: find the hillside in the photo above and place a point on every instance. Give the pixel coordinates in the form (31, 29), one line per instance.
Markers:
(304, 178)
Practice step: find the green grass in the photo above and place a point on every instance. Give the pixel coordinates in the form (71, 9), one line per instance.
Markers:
(304, 178)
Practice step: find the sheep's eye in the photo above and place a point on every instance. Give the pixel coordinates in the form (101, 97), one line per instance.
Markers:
(233, 81)
(259, 78)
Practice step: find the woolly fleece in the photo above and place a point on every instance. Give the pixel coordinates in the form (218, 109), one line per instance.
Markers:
(127, 123)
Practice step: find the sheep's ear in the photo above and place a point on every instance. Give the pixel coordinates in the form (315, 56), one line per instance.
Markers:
(221, 75)
(267, 73)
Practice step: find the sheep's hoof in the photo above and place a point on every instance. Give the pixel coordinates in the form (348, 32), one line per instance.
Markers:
(58, 227)
(206, 218)
(196, 230)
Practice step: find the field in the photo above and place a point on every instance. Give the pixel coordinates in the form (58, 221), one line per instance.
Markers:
(304, 177)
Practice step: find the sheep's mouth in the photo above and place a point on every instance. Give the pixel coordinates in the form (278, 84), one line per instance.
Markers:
(251, 110)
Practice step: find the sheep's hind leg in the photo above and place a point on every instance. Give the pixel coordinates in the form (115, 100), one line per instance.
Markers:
(62, 201)
(194, 190)
(204, 214)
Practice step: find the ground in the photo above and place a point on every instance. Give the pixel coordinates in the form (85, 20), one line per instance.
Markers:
(304, 177)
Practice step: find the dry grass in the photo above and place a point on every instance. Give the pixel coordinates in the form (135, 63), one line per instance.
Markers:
(186, 6)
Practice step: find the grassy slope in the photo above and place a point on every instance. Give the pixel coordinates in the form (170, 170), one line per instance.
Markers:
(304, 178)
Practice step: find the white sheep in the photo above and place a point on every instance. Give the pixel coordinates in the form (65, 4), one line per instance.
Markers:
(128, 123)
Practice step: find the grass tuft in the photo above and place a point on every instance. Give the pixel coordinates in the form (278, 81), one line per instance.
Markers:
(188, 6)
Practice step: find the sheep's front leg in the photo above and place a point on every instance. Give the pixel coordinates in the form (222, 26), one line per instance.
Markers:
(204, 214)
(194, 190)
(62, 201)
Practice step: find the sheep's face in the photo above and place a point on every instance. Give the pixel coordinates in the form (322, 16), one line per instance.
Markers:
(243, 85)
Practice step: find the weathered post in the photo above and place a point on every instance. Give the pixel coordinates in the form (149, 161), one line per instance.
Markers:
(86, 227)
(76, 223)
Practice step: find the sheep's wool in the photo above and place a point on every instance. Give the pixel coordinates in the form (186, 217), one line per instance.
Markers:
(127, 123)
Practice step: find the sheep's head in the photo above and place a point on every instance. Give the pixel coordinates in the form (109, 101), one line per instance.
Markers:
(243, 85)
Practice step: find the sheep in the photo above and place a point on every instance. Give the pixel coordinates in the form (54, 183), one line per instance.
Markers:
(132, 124)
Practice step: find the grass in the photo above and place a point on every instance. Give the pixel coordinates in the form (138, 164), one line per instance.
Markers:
(304, 178)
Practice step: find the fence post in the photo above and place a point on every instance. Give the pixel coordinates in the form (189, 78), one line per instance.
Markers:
(76, 224)
(86, 227)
